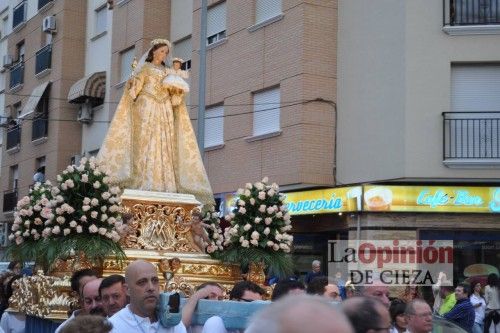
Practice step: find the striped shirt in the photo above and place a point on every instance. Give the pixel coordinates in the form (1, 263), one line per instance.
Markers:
(462, 314)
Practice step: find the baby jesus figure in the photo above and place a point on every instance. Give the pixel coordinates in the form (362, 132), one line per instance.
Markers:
(175, 83)
(200, 235)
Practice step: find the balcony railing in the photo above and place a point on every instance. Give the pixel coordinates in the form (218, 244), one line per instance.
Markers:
(13, 137)
(19, 14)
(471, 137)
(42, 3)
(40, 127)
(9, 200)
(43, 59)
(17, 74)
(471, 12)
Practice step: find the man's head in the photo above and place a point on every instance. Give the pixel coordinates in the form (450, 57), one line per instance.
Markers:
(91, 300)
(367, 315)
(323, 286)
(81, 277)
(217, 294)
(246, 291)
(378, 290)
(113, 294)
(143, 287)
(297, 314)
(462, 291)
(287, 287)
(316, 266)
(419, 316)
(444, 291)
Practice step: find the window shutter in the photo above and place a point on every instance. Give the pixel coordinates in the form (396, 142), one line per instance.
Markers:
(182, 49)
(266, 9)
(214, 126)
(126, 59)
(266, 118)
(216, 19)
(475, 88)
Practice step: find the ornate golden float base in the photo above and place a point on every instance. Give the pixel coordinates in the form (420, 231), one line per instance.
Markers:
(158, 230)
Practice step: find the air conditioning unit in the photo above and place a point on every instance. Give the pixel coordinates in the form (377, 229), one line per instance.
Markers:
(75, 159)
(49, 24)
(85, 113)
(7, 61)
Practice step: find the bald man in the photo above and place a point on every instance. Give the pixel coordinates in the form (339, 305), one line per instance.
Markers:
(143, 288)
(367, 314)
(298, 314)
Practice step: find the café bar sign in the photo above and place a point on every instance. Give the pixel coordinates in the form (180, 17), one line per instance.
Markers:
(431, 199)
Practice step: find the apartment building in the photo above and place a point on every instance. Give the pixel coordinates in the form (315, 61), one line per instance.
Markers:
(418, 121)
(45, 56)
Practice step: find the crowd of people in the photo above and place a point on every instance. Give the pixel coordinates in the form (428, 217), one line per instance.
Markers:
(130, 303)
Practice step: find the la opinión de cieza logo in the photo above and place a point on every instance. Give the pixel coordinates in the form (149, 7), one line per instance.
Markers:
(391, 262)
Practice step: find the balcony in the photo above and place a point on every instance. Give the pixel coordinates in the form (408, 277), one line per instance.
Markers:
(43, 59)
(471, 139)
(9, 200)
(40, 127)
(471, 17)
(13, 137)
(43, 3)
(16, 75)
(19, 15)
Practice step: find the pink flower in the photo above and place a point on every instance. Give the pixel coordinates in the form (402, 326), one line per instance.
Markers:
(56, 230)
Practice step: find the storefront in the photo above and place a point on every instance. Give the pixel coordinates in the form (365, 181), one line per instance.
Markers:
(468, 215)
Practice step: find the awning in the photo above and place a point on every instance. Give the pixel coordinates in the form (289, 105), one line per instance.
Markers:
(34, 99)
(92, 85)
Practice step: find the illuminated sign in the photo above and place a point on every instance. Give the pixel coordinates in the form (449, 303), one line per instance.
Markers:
(432, 199)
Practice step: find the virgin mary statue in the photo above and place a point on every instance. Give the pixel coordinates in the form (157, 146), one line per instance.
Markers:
(150, 144)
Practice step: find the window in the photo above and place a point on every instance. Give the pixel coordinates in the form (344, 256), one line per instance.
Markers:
(39, 174)
(472, 128)
(40, 123)
(5, 26)
(19, 14)
(101, 19)
(266, 117)
(10, 196)
(214, 126)
(14, 177)
(266, 9)
(216, 23)
(183, 49)
(126, 59)
(20, 50)
(17, 110)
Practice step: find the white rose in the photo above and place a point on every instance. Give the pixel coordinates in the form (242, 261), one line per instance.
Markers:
(59, 178)
(265, 180)
(26, 233)
(268, 220)
(270, 243)
(248, 186)
(85, 178)
(245, 243)
(258, 220)
(66, 231)
(247, 193)
(278, 236)
(56, 230)
(80, 168)
(276, 247)
(104, 217)
(240, 191)
(27, 223)
(79, 229)
(106, 195)
(93, 229)
(93, 214)
(262, 195)
(69, 183)
(254, 242)
(259, 186)
(97, 184)
(255, 235)
(97, 173)
(252, 201)
(11, 237)
(64, 187)
(86, 201)
(247, 227)
(60, 219)
(267, 231)
(59, 198)
(85, 208)
(105, 180)
(94, 202)
(262, 208)
(73, 224)
(102, 231)
(270, 210)
(279, 215)
(70, 168)
(241, 202)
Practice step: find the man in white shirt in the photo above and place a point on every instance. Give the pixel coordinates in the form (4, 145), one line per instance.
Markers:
(418, 317)
(143, 288)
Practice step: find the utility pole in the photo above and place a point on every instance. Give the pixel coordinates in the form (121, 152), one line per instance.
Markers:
(202, 83)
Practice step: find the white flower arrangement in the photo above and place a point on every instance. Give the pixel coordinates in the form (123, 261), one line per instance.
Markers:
(211, 223)
(259, 226)
(78, 214)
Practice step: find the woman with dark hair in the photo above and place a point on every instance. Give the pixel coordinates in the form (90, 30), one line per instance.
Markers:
(492, 298)
(150, 144)
(398, 317)
(13, 322)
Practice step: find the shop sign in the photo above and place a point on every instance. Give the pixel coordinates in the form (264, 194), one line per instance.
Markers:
(431, 199)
